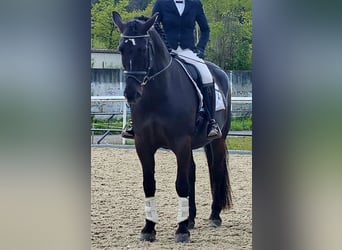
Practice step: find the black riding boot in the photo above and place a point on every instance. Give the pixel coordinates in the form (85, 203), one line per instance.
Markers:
(128, 132)
(209, 101)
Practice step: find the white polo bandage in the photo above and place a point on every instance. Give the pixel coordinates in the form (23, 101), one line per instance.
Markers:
(183, 209)
(151, 210)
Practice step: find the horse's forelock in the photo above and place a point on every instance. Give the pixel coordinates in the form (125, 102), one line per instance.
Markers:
(141, 18)
(132, 27)
(136, 25)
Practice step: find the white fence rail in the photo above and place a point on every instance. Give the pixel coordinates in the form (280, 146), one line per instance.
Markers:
(235, 100)
(124, 111)
(241, 100)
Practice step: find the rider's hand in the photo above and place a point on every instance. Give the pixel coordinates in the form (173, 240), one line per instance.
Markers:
(199, 52)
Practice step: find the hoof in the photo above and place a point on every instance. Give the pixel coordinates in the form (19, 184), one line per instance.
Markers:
(183, 238)
(191, 224)
(215, 223)
(148, 236)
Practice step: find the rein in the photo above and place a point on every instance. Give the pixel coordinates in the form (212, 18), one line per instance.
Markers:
(147, 78)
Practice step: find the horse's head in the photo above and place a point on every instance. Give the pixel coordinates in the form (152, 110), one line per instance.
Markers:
(134, 48)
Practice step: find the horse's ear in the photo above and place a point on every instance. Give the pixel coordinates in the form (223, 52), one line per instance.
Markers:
(118, 21)
(148, 24)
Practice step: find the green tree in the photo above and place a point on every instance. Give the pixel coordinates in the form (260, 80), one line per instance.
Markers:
(104, 33)
(138, 4)
(230, 44)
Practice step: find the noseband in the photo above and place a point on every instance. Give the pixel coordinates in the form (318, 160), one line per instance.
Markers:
(146, 74)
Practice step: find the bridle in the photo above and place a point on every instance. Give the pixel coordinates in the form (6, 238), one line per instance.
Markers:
(145, 73)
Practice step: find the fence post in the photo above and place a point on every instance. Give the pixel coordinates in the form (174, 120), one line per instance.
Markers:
(124, 121)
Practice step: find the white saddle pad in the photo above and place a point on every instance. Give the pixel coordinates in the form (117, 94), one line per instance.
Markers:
(219, 99)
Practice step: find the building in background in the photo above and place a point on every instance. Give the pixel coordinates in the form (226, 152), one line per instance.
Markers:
(106, 80)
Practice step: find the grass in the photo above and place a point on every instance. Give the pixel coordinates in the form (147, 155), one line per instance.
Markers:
(241, 123)
(237, 123)
(239, 143)
(111, 124)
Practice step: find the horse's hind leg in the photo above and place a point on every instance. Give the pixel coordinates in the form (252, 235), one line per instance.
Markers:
(146, 157)
(192, 203)
(217, 157)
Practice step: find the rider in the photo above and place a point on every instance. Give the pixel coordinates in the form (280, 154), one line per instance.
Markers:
(178, 19)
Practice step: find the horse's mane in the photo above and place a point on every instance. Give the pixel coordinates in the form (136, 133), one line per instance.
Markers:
(155, 31)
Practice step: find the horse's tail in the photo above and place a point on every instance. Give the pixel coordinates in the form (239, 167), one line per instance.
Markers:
(217, 157)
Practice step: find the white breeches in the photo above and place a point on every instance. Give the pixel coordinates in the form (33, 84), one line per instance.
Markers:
(190, 57)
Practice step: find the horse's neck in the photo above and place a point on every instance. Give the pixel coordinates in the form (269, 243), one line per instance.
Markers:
(161, 54)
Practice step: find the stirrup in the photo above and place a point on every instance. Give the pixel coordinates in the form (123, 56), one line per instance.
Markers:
(214, 130)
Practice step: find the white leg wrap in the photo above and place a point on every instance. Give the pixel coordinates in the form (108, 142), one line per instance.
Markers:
(183, 209)
(151, 210)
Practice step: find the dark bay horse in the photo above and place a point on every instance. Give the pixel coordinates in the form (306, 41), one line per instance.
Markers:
(165, 114)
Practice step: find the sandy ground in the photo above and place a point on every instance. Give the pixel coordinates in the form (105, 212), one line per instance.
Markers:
(117, 203)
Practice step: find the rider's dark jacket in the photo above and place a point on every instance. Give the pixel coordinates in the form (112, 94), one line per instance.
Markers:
(179, 30)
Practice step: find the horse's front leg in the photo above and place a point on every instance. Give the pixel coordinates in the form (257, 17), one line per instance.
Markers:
(146, 156)
(192, 203)
(183, 155)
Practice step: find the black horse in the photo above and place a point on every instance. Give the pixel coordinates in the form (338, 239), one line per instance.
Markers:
(165, 114)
